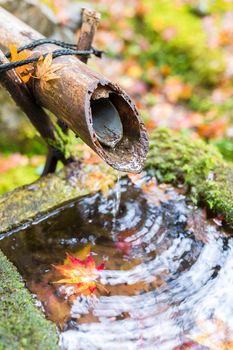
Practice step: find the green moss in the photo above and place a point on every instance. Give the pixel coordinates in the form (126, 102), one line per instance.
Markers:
(12, 143)
(169, 14)
(220, 6)
(225, 146)
(200, 103)
(22, 324)
(65, 142)
(25, 203)
(18, 176)
(187, 54)
(174, 158)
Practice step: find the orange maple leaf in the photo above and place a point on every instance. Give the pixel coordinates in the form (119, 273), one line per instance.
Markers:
(82, 274)
(46, 70)
(24, 71)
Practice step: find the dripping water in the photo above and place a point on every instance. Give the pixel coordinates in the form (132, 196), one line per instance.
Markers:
(116, 204)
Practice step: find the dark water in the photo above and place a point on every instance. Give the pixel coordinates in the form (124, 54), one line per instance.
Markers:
(168, 282)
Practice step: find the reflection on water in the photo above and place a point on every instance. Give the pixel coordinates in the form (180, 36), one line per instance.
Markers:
(168, 276)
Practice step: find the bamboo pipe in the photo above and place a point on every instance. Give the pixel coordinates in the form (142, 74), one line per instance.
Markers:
(81, 98)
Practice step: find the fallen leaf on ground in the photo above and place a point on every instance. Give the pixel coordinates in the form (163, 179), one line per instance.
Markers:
(175, 89)
(214, 129)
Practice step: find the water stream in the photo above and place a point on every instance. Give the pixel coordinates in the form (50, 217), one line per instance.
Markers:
(116, 194)
(168, 279)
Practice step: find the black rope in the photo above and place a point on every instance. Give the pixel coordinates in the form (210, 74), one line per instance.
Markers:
(36, 43)
(68, 49)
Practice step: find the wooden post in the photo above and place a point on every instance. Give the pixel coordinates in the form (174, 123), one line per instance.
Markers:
(90, 21)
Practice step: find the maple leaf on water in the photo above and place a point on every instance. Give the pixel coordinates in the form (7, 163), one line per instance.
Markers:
(46, 70)
(82, 274)
(24, 71)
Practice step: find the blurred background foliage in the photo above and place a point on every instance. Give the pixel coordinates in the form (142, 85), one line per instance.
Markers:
(174, 57)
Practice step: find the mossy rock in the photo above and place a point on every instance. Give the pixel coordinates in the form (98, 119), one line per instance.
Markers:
(22, 325)
(28, 202)
(176, 158)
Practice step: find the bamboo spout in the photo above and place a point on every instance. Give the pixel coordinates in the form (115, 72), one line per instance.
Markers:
(97, 110)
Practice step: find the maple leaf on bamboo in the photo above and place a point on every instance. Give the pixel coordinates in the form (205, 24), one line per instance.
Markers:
(46, 69)
(25, 71)
(82, 274)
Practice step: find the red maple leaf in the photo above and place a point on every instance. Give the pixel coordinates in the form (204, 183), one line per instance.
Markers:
(82, 274)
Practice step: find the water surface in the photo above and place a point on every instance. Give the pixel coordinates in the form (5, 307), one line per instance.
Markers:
(168, 281)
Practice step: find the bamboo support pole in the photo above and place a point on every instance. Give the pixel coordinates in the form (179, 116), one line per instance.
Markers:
(40, 120)
(21, 95)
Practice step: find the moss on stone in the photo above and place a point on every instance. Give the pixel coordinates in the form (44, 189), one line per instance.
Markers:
(30, 201)
(175, 158)
(22, 324)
